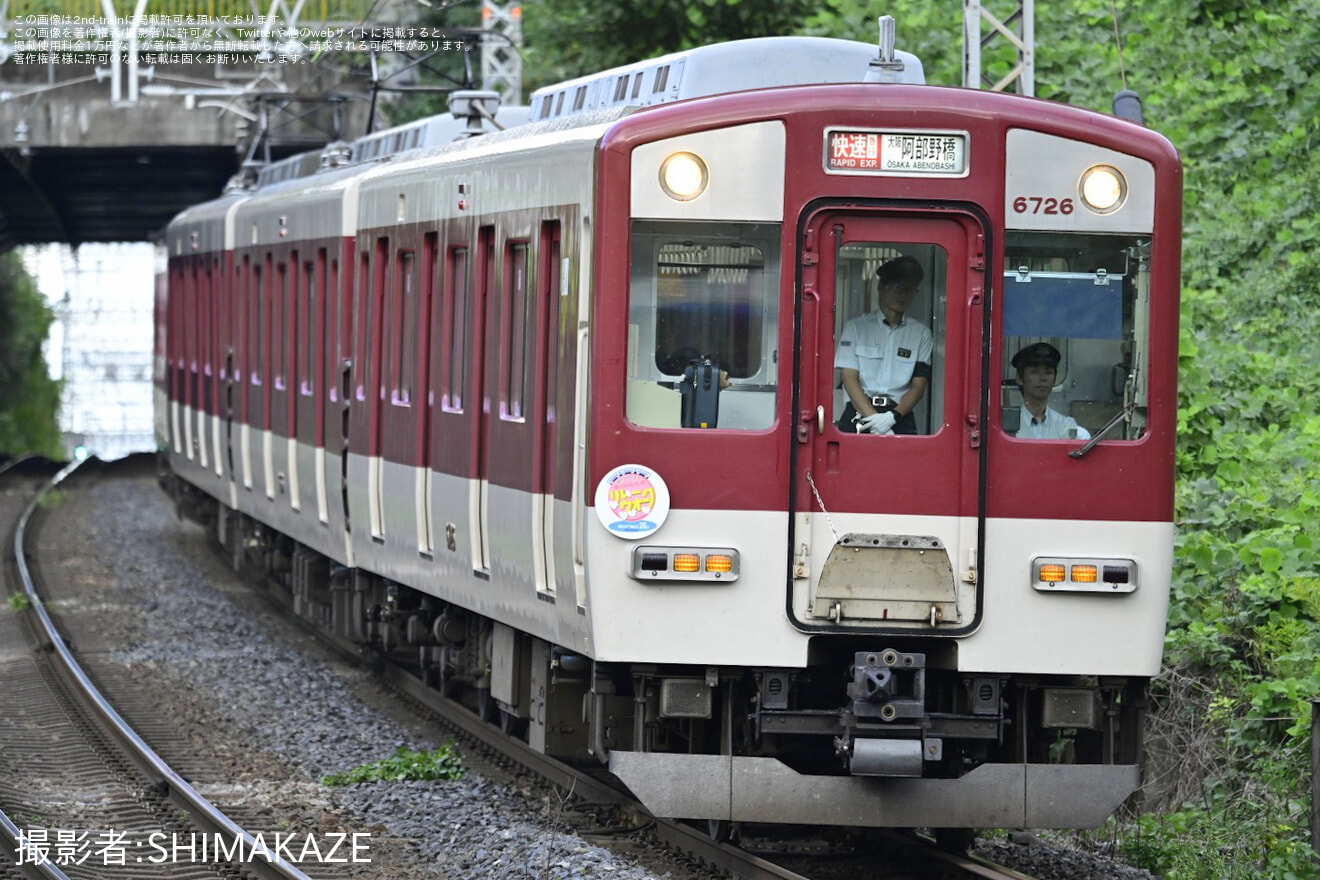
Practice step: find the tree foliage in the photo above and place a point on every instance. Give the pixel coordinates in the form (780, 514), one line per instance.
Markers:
(29, 398)
(568, 38)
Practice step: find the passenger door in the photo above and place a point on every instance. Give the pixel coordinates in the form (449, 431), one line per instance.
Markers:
(887, 528)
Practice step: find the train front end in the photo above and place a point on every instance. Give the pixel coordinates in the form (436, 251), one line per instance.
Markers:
(948, 618)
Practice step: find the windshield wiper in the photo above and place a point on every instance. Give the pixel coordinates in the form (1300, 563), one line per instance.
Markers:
(1123, 415)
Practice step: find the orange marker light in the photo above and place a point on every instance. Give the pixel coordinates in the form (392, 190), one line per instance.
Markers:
(1085, 574)
(719, 562)
(1053, 574)
(687, 562)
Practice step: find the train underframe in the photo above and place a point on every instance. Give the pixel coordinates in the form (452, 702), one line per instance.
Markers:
(873, 732)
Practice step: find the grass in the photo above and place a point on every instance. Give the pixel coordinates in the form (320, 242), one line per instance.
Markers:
(406, 764)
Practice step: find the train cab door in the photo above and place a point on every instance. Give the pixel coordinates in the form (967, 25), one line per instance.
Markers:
(887, 527)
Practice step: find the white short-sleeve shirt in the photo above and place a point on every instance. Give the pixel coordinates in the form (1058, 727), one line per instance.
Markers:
(1055, 426)
(884, 356)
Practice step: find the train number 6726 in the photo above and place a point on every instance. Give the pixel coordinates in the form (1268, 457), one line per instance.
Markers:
(1042, 205)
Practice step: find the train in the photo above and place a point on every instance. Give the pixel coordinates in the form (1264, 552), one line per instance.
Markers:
(547, 402)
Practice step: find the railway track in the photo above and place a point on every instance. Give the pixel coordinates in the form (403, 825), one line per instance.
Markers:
(83, 794)
(626, 825)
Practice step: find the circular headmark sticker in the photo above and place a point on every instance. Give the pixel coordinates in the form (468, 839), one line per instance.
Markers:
(632, 501)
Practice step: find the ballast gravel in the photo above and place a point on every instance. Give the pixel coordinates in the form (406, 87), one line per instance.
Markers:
(175, 612)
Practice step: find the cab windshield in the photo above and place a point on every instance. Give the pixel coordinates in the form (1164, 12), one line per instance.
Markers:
(703, 300)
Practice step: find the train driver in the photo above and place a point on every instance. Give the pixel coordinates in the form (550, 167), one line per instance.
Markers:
(884, 358)
(1037, 368)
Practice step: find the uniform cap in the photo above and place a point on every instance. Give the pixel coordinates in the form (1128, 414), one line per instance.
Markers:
(1038, 353)
(904, 270)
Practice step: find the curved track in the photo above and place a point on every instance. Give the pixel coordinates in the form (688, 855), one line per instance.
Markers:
(70, 726)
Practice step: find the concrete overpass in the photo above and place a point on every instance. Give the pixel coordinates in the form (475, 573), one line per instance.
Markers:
(113, 119)
(101, 140)
(86, 170)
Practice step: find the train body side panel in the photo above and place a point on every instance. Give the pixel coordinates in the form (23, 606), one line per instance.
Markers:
(481, 508)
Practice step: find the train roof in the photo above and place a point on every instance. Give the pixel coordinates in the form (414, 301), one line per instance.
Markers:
(761, 63)
(410, 136)
(722, 68)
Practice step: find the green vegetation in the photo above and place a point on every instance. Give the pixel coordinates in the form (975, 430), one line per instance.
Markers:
(29, 398)
(19, 602)
(443, 763)
(568, 38)
(1231, 83)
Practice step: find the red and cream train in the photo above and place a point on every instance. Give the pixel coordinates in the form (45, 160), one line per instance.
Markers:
(551, 410)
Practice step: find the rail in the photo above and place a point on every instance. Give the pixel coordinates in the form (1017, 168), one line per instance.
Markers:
(202, 812)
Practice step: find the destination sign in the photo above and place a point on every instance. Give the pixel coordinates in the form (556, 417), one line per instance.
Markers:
(896, 152)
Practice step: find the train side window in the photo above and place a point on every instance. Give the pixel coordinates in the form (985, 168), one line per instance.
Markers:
(377, 315)
(279, 327)
(890, 360)
(204, 319)
(312, 295)
(255, 321)
(189, 359)
(703, 293)
(427, 312)
(357, 325)
(1080, 303)
(342, 336)
(453, 357)
(513, 331)
(403, 317)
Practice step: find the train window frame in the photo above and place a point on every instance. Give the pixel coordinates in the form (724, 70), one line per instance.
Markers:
(341, 334)
(657, 360)
(515, 300)
(279, 327)
(290, 354)
(375, 318)
(453, 357)
(427, 310)
(929, 308)
(1101, 282)
(359, 328)
(308, 305)
(403, 313)
(256, 323)
(189, 319)
(206, 319)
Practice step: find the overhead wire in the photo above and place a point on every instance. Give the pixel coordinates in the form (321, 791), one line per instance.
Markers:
(1118, 41)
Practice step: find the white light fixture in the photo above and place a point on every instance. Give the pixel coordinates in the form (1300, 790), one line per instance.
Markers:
(684, 176)
(1103, 189)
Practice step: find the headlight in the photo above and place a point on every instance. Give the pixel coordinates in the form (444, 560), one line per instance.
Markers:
(683, 176)
(1103, 189)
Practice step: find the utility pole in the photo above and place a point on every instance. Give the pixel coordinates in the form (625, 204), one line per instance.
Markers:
(501, 42)
(1018, 28)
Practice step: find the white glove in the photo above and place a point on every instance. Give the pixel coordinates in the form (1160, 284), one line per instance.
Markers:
(877, 423)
